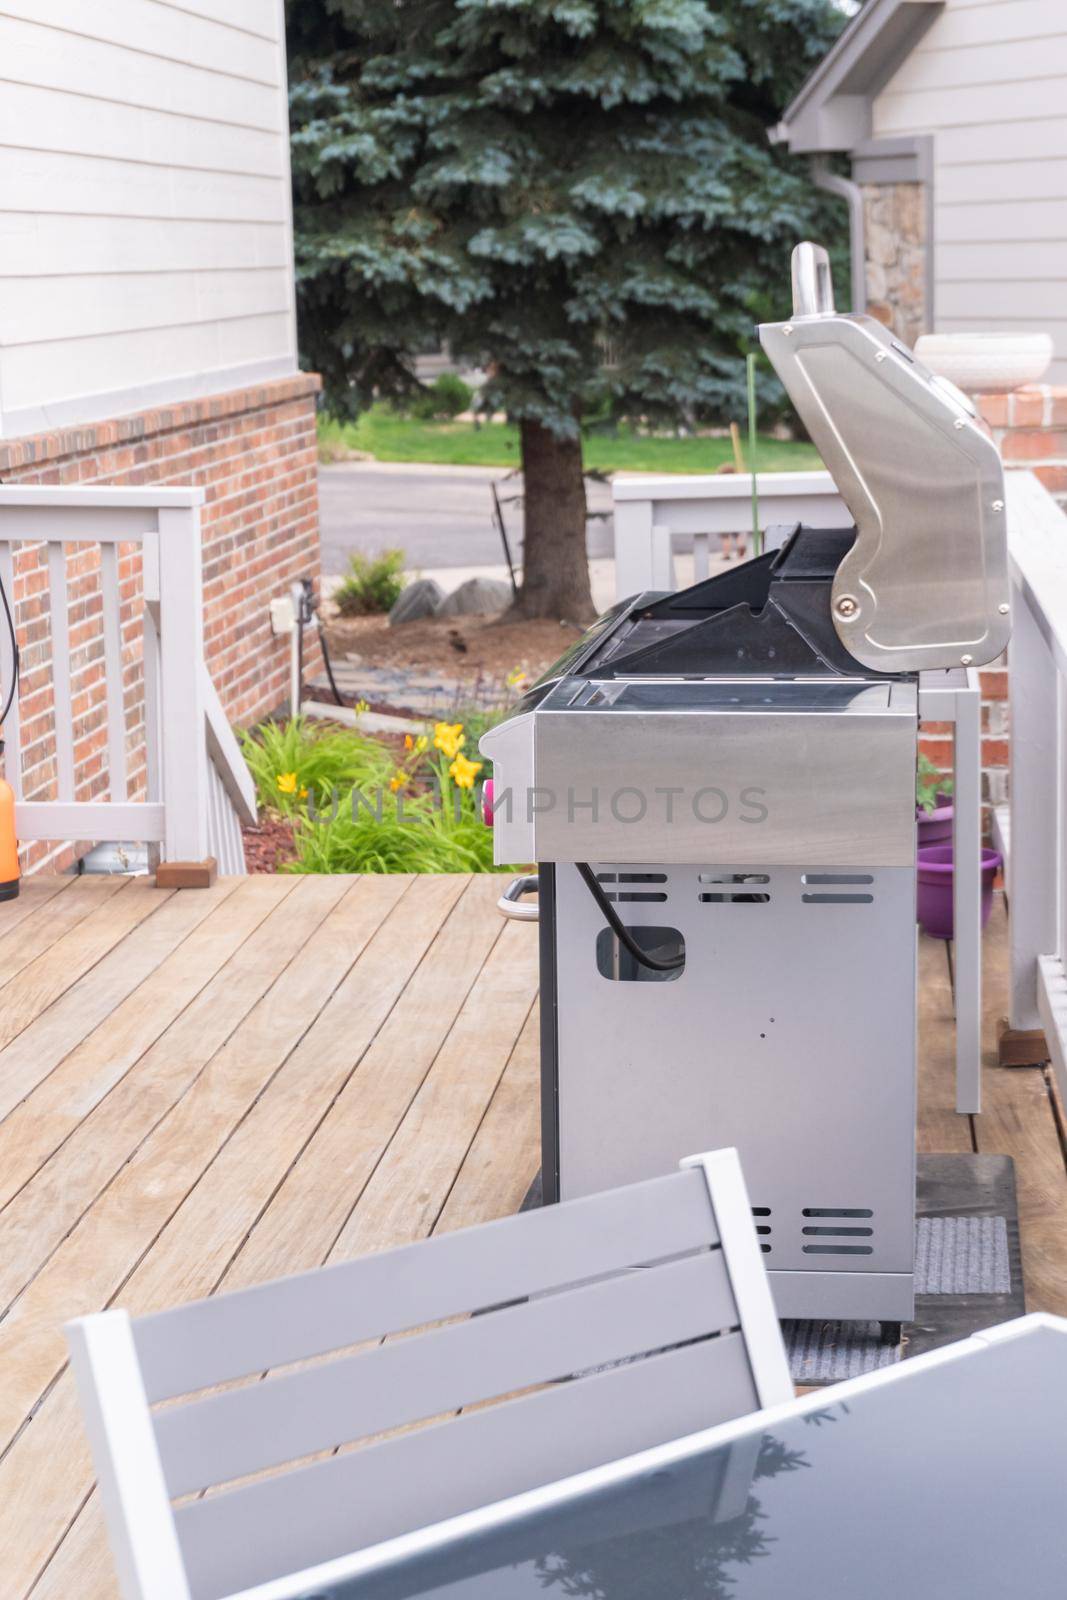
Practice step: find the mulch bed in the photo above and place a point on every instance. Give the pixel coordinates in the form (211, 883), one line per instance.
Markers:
(268, 845)
(456, 645)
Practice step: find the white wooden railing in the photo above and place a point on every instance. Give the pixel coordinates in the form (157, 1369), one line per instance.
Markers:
(1034, 840)
(156, 700)
(652, 514)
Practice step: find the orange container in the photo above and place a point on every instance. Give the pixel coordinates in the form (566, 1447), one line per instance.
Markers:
(9, 850)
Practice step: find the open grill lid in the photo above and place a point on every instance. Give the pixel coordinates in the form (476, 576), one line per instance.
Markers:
(925, 584)
(767, 618)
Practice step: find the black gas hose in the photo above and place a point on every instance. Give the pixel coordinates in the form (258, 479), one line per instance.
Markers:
(621, 932)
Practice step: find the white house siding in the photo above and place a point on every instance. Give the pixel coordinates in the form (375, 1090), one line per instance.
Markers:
(145, 218)
(989, 82)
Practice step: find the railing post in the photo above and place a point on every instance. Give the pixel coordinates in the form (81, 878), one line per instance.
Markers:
(967, 893)
(10, 732)
(642, 551)
(1035, 806)
(182, 737)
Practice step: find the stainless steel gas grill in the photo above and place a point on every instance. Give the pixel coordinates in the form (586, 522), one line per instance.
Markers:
(718, 787)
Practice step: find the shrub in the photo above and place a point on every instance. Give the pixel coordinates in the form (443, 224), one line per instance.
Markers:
(294, 761)
(426, 819)
(371, 584)
(444, 399)
(356, 807)
(421, 836)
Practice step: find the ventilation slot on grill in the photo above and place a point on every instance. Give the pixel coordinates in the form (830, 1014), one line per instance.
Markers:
(631, 895)
(838, 1249)
(736, 888)
(825, 878)
(837, 1224)
(763, 1228)
(837, 885)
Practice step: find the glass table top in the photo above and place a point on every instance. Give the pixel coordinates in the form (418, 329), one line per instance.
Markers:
(949, 1483)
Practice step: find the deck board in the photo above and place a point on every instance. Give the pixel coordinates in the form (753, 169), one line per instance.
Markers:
(205, 1089)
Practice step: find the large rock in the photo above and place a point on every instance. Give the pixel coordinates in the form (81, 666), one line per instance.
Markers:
(478, 597)
(421, 598)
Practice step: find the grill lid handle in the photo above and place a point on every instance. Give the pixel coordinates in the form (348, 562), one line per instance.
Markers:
(813, 284)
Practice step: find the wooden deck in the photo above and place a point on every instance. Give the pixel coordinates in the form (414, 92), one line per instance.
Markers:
(204, 1089)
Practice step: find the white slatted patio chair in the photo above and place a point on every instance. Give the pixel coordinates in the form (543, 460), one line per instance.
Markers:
(557, 1299)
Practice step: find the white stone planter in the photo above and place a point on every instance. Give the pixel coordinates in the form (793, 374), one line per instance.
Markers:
(986, 363)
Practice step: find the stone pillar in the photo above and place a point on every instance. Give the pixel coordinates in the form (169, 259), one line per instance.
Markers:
(895, 221)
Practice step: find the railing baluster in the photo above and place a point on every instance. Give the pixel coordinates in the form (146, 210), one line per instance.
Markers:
(1034, 777)
(215, 839)
(11, 730)
(118, 786)
(61, 691)
(182, 728)
(1061, 820)
(150, 645)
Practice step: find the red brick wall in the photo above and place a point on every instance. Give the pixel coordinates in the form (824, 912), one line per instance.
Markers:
(1030, 426)
(254, 453)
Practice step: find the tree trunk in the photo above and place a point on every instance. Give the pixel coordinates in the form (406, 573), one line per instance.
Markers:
(555, 569)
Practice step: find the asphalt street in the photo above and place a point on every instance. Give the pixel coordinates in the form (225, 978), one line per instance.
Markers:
(439, 516)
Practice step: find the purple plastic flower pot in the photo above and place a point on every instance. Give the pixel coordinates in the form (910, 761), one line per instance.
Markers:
(935, 827)
(935, 888)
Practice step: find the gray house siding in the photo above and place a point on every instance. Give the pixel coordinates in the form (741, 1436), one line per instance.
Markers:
(988, 81)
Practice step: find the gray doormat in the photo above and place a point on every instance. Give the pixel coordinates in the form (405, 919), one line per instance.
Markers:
(968, 1272)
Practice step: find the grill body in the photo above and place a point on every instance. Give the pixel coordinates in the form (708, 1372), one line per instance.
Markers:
(789, 1033)
(759, 830)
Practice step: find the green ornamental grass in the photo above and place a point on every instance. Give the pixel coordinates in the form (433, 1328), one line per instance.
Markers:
(413, 835)
(294, 760)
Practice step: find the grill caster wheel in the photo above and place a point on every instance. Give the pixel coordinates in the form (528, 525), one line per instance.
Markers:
(889, 1332)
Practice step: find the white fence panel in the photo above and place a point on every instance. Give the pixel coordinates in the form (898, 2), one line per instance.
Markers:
(651, 513)
(197, 788)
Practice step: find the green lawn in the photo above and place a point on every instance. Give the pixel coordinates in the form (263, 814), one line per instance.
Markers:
(388, 437)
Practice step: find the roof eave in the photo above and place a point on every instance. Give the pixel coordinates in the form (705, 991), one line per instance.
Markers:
(832, 110)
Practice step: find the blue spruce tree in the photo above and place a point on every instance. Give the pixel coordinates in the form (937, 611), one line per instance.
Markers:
(532, 182)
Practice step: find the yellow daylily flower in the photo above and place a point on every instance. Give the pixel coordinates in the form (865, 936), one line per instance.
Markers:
(516, 678)
(464, 771)
(398, 780)
(449, 738)
(287, 782)
(421, 743)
